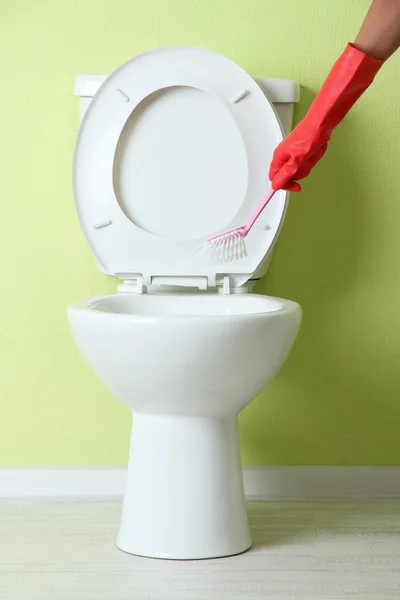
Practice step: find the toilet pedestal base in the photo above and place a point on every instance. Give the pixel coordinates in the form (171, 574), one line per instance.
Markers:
(184, 495)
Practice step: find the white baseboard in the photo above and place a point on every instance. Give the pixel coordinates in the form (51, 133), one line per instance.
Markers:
(260, 483)
(61, 481)
(269, 483)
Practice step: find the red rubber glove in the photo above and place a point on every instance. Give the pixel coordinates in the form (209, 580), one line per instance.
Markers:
(297, 154)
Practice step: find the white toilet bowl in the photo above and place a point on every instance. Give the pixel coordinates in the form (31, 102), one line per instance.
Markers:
(186, 365)
(173, 147)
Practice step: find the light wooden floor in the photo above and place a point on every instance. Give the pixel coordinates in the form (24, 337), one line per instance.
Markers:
(65, 550)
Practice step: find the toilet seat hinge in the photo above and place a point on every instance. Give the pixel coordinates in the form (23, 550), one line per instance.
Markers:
(132, 286)
(226, 286)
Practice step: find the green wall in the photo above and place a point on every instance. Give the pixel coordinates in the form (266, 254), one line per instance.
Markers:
(337, 400)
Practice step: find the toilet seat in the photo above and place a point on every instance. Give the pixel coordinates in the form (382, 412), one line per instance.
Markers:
(174, 147)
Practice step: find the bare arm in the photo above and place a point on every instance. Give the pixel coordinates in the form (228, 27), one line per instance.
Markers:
(379, 35)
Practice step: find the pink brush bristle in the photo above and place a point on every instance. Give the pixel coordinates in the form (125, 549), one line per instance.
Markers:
(224, 248)
(229, 245)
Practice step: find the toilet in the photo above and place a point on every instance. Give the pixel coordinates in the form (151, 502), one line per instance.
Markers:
(173, 147)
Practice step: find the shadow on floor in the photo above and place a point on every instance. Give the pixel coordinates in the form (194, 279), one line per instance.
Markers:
(290, 523)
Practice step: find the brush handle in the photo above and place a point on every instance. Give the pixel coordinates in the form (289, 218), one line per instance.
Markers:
(258, 210)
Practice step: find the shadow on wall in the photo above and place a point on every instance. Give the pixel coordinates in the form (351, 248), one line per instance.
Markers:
(338, 395)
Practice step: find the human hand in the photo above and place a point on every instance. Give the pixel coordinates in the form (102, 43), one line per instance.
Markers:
(295, 156)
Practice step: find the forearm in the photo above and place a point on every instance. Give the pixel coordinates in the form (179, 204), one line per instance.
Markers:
(379, 35)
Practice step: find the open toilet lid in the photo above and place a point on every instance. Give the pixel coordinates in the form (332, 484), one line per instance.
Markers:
(175, 147)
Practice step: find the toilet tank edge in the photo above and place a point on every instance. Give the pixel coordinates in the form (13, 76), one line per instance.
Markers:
(281, 92)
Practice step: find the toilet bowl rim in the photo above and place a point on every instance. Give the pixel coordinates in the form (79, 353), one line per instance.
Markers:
(282, 307)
